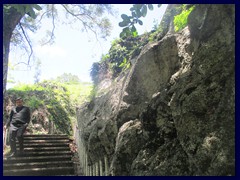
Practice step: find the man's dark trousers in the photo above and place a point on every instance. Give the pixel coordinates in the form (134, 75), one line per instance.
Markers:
(16, 132)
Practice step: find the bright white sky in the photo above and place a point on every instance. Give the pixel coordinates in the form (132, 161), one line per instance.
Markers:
(73, 51)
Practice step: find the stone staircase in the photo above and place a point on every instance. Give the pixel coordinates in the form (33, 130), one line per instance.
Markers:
(44, 155)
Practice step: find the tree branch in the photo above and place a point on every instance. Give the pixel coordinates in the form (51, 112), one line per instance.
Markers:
(22, 63)
(84, 23)
(42, 16)
(53, 24)
(31, 50)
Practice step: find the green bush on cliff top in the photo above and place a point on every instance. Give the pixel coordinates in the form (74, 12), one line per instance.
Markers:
(58, 99)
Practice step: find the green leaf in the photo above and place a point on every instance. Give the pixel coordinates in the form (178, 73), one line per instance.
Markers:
(180, 21)
(134, 14)
(122, 34)
(138, 6)
(123, 63)
(123, 24)
(133, 29)
(125, 17)
(140, 22)
(37, 7)
(32, 13)
(150, 7)
(126, 29)
(144, 11)
(139, 14)
(125, 32)
(6, 7)
(19, 8)
(132, 9)
(27, 8)
(135, 21)
(135, 34)
(128, 65)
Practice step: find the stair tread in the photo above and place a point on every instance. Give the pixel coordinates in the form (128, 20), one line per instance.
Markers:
(46, 144)
(45, 141)
(30, 149)
(39, 169)
(47, 135)
(36, 158)
(38, 163)
(44, 154)
(47, 152)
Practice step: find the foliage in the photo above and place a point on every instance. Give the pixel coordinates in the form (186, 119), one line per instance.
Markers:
(153, 36)
(137, 11)
(67, 78)
(155, 25)
(20, 37)
(118, 51)
(128, 47)
(118, 57)
(91, 17)
(117, 54)
(37, 71)
(105, 57)
(180, 21)
(164, 26)
(95, 71)
(10, 78)
(58, 98)
(34, 102)
(125, 64)
(23, 9)
(79, 92)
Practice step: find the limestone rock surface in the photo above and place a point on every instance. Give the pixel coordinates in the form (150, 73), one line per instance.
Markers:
(173, 112)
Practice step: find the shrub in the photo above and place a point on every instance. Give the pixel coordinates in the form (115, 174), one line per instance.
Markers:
(34, 102)
(180, 21)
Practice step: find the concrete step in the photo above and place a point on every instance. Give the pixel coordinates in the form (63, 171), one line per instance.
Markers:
(46, 153)
(46, 135)
(43, 149)
(29, 165)
(45, 145)
(28, 141)
(37, 159)
(54, 171)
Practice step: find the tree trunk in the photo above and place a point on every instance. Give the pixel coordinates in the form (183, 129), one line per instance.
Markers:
(10, 21)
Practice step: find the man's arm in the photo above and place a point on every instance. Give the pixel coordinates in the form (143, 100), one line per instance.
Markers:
(28, 115)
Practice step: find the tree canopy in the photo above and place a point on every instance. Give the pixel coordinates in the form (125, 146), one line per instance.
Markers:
(20, 19)
(137, 12)
(68, 78)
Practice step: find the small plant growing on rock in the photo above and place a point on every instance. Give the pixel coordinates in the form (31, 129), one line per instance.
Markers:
(180, 21)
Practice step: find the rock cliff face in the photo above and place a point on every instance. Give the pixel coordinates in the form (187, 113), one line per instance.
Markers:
(173, 112)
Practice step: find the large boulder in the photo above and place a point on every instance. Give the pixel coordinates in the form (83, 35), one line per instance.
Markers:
(173, 112)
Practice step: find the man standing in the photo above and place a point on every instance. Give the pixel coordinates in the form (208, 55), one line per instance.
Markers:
(18, 122)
